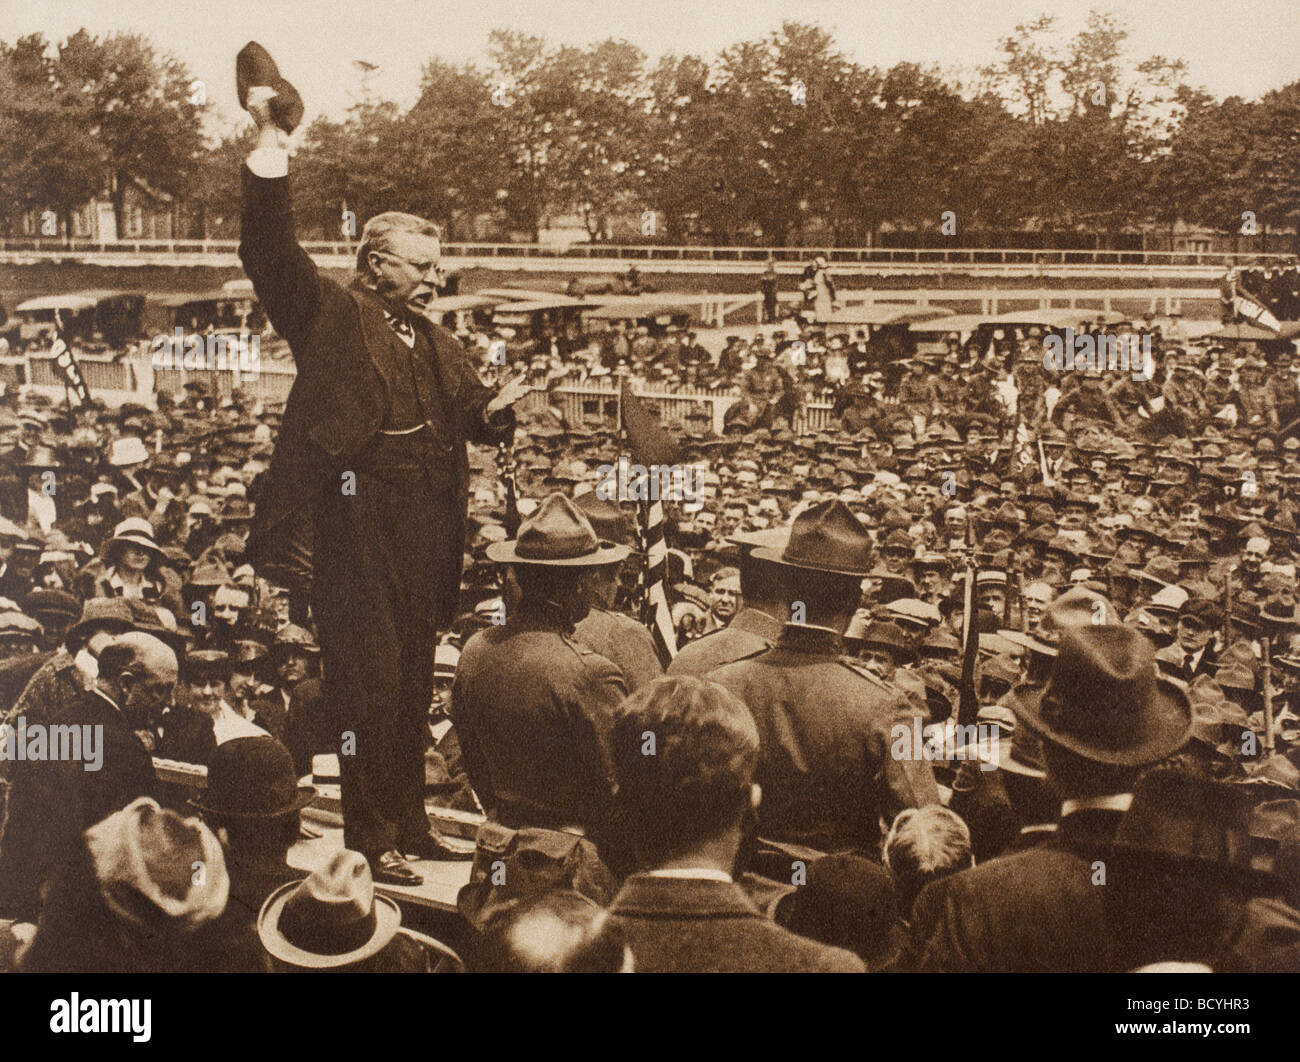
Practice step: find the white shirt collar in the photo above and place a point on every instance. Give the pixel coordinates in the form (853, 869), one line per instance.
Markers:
(101, 693)
(691, 874)
(1110, 802)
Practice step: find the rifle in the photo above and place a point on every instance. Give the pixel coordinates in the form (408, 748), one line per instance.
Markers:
(1266, 675)
(968, 706)
(1227, 608)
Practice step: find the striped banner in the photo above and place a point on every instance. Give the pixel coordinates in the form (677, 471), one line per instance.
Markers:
(62, 355)
(655, 611)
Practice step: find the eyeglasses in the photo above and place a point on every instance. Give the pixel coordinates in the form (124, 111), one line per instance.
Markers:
(423, 268)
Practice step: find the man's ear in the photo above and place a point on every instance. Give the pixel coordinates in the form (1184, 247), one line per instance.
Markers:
(755, 795)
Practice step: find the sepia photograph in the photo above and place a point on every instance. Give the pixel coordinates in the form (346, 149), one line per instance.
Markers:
(602, 488)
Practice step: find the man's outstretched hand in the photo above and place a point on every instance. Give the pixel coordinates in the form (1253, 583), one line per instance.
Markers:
(511, 393)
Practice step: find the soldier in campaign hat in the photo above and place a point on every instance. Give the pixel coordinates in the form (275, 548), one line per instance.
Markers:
(824, 721)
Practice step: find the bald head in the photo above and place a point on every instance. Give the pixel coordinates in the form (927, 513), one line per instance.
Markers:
(139, 672)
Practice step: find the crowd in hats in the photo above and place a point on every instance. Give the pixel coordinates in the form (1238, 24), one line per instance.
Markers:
(1094, 576)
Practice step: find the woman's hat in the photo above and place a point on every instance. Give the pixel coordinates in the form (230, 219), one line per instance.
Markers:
(331, 918)
(128, 450)
(1105, 701)
(556, 534)
(138, 532)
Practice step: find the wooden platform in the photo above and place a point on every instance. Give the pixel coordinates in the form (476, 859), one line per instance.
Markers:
(442, 880)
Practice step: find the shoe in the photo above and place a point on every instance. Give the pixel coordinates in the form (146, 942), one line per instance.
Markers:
(391, 868)
(434, 845)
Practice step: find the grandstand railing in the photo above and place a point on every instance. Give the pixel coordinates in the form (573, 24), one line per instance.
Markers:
(649, 253)
(592, 402)
(595, 402)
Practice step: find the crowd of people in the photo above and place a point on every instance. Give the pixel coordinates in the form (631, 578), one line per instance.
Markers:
(1124, 795)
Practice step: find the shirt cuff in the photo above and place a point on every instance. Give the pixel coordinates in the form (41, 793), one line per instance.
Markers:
(268, 162)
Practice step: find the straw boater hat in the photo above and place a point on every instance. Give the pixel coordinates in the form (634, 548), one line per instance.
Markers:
(557, 534)
(331, 918)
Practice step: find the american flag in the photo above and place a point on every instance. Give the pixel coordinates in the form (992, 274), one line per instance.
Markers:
(650, 446)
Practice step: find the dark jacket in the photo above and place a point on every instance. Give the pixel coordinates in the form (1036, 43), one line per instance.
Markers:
(824, 729)
(623, 641)
(340, 395)
(1037, 911)
(676, 925)
(52, 801)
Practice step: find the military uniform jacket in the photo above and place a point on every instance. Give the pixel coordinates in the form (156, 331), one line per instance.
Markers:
(750, 632)
(624, 642)
(825, 728)
(533, 709)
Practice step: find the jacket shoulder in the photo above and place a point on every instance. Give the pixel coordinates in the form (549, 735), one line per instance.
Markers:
(849, 664)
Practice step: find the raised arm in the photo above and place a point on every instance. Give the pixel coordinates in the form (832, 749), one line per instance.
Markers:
(283, 274)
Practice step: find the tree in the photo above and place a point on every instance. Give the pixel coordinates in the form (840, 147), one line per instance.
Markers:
(49, 158)
(143, 110)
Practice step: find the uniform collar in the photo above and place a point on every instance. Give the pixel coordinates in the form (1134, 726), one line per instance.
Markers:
(807, 638)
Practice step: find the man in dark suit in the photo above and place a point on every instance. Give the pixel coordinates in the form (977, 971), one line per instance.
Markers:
(1102, 717)
(51, 801)
(685, 751)
(1191, 653)
(828, 725)
(372, 452)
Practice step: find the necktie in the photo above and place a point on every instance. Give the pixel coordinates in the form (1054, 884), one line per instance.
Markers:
(402, 327)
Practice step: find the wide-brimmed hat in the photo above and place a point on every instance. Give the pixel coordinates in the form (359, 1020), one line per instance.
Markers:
(607, 519)
(100, 613)
(826, 537)
(889, 636)
(252, 778)
(138, 532)
(333, 917)
(1017, 749)
(556, 534)
(144, 858)
(1105, 700)
(255, 67)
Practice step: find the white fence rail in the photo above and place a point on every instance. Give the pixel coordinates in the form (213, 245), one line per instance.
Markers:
(624, 254)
